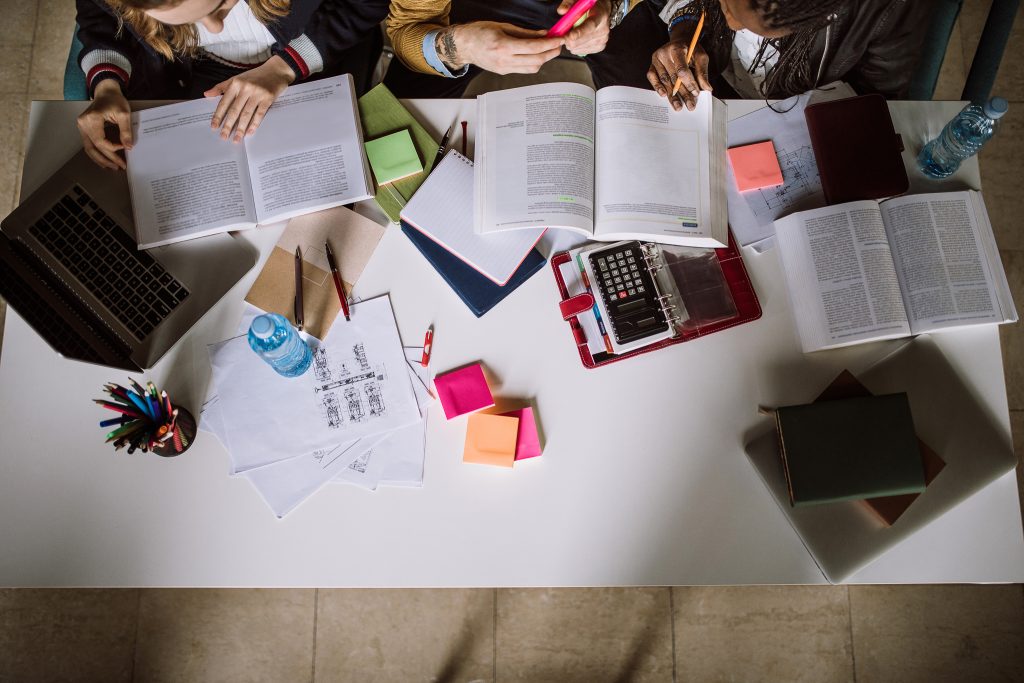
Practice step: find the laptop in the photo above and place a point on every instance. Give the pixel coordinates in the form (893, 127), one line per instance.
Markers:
(70, 266)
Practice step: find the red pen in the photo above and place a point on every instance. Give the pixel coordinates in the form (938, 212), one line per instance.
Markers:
(337, 280)
(428, 341)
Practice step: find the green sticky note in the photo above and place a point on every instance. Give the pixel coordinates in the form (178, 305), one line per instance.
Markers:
(393, 157)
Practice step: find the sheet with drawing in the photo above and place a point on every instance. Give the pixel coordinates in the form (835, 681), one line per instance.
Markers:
(752, 213)
(357, 387)
(394, 459)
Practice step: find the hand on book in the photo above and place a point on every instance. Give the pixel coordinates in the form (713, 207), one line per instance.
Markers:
(247, 97)
(591, 36)
(496, 47)
(669, 62)
(109, 107)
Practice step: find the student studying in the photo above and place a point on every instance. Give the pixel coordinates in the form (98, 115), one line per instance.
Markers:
(246, 53)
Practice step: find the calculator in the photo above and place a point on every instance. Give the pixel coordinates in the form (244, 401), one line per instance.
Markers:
(627, 291)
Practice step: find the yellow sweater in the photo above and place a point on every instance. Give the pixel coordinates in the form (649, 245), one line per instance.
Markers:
(409, 21)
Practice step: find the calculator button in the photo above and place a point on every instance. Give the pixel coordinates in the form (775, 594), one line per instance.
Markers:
(632, 267)
(622, 295)
(604, 266)
(632, 292)
(630, 259)
(618, 279)
(640, 289)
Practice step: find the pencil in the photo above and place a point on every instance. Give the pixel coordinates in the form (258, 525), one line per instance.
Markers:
(117, 408)
(689, 52)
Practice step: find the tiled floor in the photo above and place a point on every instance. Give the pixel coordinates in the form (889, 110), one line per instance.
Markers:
(864, 633)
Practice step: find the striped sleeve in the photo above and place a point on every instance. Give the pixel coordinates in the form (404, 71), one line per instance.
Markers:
(303, 56)
(99, 64)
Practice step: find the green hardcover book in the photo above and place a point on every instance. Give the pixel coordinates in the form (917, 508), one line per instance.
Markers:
(849, 449)
(382, 114)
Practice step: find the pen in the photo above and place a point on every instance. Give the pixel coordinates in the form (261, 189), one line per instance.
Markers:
(337, 280)
(298, 288)
(689, 52)
(597, 313)
(444, 144)
(464, 125)
(428, 341)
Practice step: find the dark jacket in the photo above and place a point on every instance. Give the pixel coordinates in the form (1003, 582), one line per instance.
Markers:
(313, 38)
(874, 45)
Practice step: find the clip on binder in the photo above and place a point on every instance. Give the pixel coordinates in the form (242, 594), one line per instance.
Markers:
(699, 292)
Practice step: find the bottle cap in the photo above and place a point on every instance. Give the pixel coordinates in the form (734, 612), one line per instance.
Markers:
(996, 107)
(263, 327)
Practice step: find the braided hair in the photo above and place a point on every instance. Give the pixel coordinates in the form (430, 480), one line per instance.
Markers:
(803, 18)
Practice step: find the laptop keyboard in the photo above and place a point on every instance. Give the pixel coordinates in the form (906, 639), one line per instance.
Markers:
(136, 289)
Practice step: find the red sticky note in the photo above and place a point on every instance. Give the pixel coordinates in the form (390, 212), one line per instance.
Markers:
(527, 439)
(463, 391)
(755, 166)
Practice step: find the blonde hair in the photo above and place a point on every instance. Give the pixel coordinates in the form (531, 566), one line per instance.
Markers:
(182, 39)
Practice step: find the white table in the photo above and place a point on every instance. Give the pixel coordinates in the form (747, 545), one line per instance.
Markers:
(643, 480)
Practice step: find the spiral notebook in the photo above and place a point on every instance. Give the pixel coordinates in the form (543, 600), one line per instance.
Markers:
(442, 209)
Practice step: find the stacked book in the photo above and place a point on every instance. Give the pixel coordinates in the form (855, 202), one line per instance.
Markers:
(851, 445)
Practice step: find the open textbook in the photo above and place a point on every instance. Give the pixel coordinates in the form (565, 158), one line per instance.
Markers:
(615, 164)
(868, 270)
(186, 182)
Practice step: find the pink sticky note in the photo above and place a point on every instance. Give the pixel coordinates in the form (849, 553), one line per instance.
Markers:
(527, 439)
(463, 391)
(755, 166)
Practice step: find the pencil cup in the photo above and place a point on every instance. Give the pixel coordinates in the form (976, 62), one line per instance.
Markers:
(144, 419)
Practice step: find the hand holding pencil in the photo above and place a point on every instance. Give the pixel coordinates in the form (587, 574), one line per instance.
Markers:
(679, 68)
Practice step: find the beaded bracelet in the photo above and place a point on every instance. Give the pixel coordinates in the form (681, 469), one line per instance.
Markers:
(680, 18)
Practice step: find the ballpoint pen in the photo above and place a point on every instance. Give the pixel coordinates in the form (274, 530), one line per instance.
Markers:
(444, 145)
(298, 288)
(337, 280)
(428, 342)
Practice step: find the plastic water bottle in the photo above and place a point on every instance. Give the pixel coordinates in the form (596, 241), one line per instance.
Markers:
(274, 340)
(961, 138)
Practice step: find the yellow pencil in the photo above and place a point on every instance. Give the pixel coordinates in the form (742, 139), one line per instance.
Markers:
(689, 52)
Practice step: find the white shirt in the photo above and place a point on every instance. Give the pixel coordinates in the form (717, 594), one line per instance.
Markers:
(242, 41)
(744, 51)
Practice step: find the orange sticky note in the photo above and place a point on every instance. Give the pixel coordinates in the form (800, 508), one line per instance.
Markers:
(755, 166)
(491, 440)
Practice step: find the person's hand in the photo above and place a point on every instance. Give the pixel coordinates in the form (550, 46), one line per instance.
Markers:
(496, 47)
(591, 36)
(109, 106)
(247, 97)
(669, 62)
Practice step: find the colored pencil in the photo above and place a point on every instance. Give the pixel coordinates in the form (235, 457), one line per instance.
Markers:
(689, 52)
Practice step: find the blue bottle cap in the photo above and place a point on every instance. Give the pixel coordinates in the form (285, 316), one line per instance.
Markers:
(263, 327)
(996, 107)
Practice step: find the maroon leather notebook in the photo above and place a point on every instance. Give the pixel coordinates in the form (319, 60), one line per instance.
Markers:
(858, 152)
(748, 308)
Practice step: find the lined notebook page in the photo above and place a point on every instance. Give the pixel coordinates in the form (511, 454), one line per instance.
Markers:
(442, 209)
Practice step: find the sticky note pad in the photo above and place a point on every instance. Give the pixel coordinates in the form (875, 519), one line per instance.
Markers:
(463, 391)
(755, 166)
(491, 440)
(393, 157)
(527, 439)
